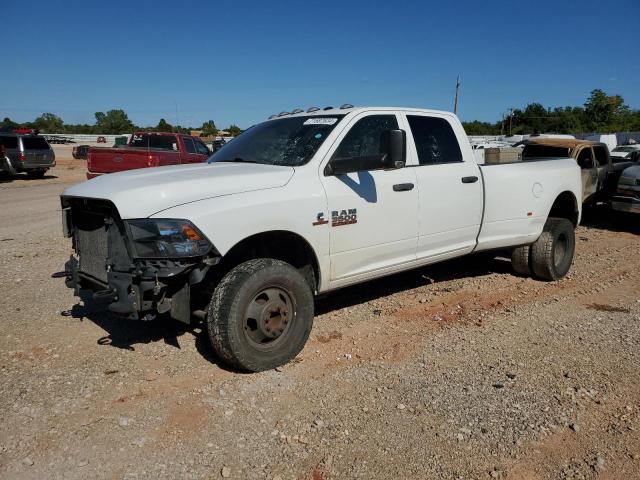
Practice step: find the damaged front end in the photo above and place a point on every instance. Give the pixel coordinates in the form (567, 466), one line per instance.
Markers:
(140, 267)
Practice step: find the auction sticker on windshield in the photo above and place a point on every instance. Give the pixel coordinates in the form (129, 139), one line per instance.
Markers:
(320, 121)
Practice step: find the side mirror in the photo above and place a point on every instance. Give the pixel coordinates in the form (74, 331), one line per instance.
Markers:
(392, 144)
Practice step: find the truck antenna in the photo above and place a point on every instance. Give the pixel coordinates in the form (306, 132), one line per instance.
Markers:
(455, 101)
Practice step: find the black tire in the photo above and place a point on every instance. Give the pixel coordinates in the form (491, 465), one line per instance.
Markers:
(281, 301)
(36, 173)
(520, 260)
(552, 253)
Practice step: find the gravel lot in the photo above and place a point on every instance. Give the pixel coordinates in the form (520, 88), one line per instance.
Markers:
(460, 370)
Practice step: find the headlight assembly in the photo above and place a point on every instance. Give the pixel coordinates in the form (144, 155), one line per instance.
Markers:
(167, 238)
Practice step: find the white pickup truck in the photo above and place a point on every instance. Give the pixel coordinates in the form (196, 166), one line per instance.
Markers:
(303, 204)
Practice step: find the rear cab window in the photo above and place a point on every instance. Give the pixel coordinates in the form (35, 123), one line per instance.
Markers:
(162, 142)
(544, 151)
(35, 143)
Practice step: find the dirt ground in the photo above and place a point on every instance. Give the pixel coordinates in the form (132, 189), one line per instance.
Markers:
(456, 371)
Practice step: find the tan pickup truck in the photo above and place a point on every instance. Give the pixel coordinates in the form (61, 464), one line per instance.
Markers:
(599, 174)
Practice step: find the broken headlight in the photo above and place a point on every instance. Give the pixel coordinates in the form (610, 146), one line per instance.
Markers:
(154, 238)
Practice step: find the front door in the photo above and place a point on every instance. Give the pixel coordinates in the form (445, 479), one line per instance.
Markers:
(589, 173)
(373, 213)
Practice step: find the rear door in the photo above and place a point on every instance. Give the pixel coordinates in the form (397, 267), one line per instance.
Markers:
(450, 196)
(372, 213)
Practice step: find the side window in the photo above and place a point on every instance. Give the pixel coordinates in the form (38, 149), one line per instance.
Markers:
(201, 148)
(434, 139)
(365, 137)
(188, 144)
(601, 156)
(584, 158)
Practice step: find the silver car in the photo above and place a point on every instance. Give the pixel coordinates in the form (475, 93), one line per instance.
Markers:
(26, 153)
(627, 198)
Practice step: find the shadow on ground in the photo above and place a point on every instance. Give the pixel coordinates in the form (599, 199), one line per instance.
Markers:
(604, 218)
(24, 178)
(126, 334)
(469, 266)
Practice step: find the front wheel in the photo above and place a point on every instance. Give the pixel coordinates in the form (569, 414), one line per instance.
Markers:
(260, 315)
(552, 253)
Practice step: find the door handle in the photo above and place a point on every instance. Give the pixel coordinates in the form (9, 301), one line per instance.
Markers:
(469, 179)
(403, 187)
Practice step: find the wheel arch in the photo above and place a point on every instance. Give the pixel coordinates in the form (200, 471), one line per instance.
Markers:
(566, 206)
(283, 245)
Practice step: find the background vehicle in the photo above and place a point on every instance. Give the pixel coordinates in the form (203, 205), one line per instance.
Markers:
(217, 145)
(80, 151)
(101, 140)
(627, 198)
(599, 174)
(623, 153)
(305, 204)
(27, 153)
(147, 150)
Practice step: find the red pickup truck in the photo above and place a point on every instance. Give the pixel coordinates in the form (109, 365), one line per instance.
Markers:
(147, 149)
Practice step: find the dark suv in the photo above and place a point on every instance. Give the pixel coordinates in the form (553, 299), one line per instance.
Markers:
(26, 153)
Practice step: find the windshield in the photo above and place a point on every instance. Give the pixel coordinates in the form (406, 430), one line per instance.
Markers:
(288, 141)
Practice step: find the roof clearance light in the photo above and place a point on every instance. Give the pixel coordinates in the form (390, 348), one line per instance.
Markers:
(296, 110)
(345, 105)
(312, 109)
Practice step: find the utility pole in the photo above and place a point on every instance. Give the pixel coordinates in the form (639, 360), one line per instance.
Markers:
(510, 120)
(455, 101)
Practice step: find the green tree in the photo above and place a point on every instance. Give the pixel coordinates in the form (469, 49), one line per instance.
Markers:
(113, 122)
(601, 109)
(209, 129)
(234, 130)
(49, 123)
(8, 124)
(163, 126)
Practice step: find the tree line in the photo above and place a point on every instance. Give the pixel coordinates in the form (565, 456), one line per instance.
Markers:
(600, 113)
(112, 122)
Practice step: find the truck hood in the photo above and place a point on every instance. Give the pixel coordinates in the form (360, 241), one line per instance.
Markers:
(143, 192)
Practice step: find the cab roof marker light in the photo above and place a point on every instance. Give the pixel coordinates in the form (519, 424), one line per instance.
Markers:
(328, 108)
(345, 105)
(312, 109)
(296, 110)
(282, 114)
(272, 116)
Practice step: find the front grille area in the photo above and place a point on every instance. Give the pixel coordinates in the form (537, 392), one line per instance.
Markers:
(91, 244)
(98, 240)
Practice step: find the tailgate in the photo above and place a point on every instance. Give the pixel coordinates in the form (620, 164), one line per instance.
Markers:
(109, 160)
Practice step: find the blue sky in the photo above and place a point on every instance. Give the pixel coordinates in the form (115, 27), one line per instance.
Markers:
(238, 62)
